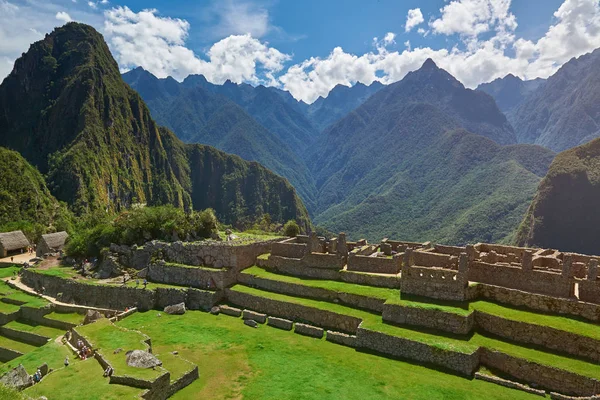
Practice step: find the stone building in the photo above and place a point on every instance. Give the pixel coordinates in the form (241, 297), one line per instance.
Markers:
(12, 243)
(51, 242)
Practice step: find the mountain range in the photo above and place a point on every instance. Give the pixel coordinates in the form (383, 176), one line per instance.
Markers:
(421, 159)
(67, 111)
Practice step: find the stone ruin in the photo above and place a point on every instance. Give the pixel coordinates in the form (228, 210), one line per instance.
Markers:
(439, 271)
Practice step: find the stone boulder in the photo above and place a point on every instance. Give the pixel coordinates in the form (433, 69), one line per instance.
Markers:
(91, 316)
(215, 310)
(17, 378)
(175, 309)
(44, 369)
(142, 359)
(251, 323)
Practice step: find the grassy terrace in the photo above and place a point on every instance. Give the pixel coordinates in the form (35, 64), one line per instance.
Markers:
(15, 345)
(107, 337)
(465, 345)
(32, 327)
(392, 296)
(270, 364)
(73, 318)
(52, 354)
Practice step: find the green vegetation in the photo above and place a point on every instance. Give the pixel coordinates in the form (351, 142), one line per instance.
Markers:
(562, 215)
(99, 157)
(73, 318)
(291, 229)
(35, 328)
(460, 344)
(15, 294)
(15, 345)
(140, 225)
(268, 363)
(52, 354)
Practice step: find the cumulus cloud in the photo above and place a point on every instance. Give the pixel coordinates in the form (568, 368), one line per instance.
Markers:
(413, 18)
(63, 16)
(575, 31)
(158, 44)
(237, 17)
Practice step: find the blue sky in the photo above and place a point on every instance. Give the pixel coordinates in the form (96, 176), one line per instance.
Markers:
(309, 46)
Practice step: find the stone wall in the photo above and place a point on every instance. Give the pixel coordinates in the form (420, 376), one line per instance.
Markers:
(545, 376)
(22, 336)
(289, 248)
(117, 297)
(550, 338)
(534, 301)
(293, 289)
(295, 312)
(435, 283)
(429, 259)
(461, 363)
(429, 318)
(341, 338)
(589, 291)
(360, 278)
(184, 381)
(377, 265)
(190, 276)
(207, 253)
(8, 354)
(533, 281)
(297, 267)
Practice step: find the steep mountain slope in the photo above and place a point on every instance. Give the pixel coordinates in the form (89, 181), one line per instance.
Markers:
(199, 116)
(565, 111)
(563, 214)
(339, 102)
(270, 107)
(510, 91)
(23, 192)
(66, 109)
(402, 165)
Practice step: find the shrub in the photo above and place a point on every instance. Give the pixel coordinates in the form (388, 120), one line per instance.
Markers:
(291, 228)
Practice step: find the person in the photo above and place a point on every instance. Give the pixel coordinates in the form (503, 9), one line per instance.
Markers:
(67, 361)
(137, 282)
(108, 371)
(145, 283)
(12, 258)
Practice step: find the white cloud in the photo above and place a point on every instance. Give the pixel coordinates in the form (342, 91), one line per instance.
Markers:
(158, 44)
(474, 17)
(236, 17)
(413, 18)
(92, 4)
(389, 38)
(63, 16)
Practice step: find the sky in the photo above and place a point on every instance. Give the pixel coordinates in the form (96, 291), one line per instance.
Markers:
(310, 46)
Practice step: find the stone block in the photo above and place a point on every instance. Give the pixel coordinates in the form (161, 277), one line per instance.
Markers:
(234, 312)
(251, 323)
(309, 330)
(258, 317)
(280, 323)
(341, 338)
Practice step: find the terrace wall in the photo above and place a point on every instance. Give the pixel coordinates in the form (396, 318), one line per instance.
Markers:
(461, 363)
(534, 281)
(295, 312)
(377, 265)
(190, 276)
(435, 283)
(429, 318)
(548, 377)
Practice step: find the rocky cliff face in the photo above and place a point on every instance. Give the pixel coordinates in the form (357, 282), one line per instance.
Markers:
(66, 109)
(563, 213)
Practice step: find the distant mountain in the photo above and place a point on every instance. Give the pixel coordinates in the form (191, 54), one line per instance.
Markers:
(197, 115)
(66, 109)
(563, 215)
(510, 91)
(565, 111)
(403, 165)
(339, 102)
(272, 108)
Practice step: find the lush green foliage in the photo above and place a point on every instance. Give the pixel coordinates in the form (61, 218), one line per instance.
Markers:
(429, 180)
(139, 225)
(66, 109)
(563, 214)
(291, 229)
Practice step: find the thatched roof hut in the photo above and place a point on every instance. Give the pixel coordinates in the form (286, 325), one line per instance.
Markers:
(11, 242)
(51, 242)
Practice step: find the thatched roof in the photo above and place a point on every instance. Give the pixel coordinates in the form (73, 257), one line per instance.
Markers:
(54, 240)
(13, 240)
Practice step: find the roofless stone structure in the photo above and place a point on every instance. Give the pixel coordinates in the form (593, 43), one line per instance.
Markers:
(51, 242)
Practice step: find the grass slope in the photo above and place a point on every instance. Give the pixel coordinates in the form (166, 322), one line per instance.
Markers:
(268, 363)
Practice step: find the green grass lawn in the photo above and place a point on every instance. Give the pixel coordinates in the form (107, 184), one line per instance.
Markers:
(61, 271)
(266, 363)
(5, 272)
(35, 328)
(465, 345)
(336, 286)
(81, 380)
(73, 318)
(51, 353)
(107, 337)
